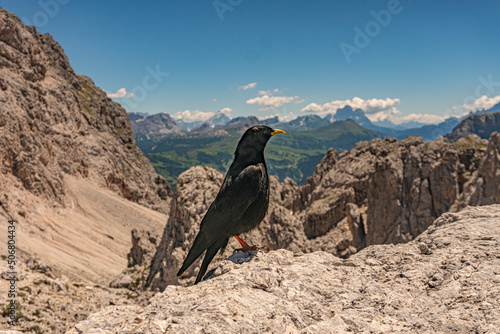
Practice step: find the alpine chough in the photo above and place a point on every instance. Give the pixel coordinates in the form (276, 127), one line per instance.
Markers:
(241, 203)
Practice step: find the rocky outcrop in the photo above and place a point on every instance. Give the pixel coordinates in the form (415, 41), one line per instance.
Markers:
(446, 280)
(50, 303)
(382, 191)
(482, 125)
(195, 190)
(55, 123)
(144, 245)
(484, 185)
(393, 190)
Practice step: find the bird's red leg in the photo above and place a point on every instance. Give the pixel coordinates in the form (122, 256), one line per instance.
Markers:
(245, 246)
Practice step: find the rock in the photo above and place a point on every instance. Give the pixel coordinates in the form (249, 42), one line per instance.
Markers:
(483, 125)
(130, 278)
(56, 123)
(39, 266)
(53, 304)
(399, 187)
(195, 190)
(452, 287)
(484, 186)
(144, 245)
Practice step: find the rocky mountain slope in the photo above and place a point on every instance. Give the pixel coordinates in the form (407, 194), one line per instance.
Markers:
(446, 280)
(70, 171)
(48, 303)
(382, 191)
(483, 125)
(57, 123)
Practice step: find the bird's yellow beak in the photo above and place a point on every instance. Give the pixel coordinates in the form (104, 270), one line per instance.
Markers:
(276, 131)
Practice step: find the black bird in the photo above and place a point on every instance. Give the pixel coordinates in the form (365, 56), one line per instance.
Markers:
(241, 203)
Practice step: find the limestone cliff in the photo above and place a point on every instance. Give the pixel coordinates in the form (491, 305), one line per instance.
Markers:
(71, 174)
(55, 123)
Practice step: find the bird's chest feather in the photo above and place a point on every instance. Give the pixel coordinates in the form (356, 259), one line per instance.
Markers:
(256, 211)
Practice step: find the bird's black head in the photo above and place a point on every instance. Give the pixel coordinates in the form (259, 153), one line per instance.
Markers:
(253, 142)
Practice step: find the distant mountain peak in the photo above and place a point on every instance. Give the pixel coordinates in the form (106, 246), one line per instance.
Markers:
(220, 118)
(154, 127)
(306, 122)
(348, 112)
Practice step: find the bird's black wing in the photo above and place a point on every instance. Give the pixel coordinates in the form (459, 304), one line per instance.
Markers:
(235, 196)
(237, 193)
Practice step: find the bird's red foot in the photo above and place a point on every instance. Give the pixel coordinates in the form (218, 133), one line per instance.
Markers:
(245, 246)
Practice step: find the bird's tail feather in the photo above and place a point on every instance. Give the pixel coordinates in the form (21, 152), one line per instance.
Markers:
(199, 246)
(209, 255)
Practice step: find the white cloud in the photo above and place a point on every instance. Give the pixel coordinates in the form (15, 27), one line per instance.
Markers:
(288, 117)
(214, 100)
(122, 92)
(249, 86)
(375, 109)
(271, 102)
(367, 106)
(421, 118)
(262, 118)
(482, 103)
(227, 111)
(193, 115)
(270, 91)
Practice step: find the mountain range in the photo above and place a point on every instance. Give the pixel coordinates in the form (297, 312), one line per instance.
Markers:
(174, 145)
(310, 122)
(174, 150)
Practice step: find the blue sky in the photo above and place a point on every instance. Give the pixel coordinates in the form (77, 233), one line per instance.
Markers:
(390, 58)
